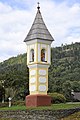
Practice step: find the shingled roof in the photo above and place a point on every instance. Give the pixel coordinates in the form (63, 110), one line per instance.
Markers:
(38, 29)
(77, 95)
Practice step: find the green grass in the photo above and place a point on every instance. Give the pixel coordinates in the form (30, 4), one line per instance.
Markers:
(52, 107)
(7, 119)
(14, 108)
(75, 116)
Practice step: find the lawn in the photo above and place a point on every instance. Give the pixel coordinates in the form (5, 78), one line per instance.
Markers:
(7, 119)
(75, 116)
(52, 107)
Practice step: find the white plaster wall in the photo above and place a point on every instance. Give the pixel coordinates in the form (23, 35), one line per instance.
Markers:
(39, 53)
(43, 46)
(35, 52)
(32, 72)
(49, 53)
(28, 56)
(32, 46)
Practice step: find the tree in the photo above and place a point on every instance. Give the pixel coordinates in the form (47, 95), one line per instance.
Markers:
(75, 86)
(9, 92)
(66, 88)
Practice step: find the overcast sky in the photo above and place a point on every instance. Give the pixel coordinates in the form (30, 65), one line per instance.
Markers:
(62, 18)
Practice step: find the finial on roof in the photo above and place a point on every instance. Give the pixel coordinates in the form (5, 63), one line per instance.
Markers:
(38, 6)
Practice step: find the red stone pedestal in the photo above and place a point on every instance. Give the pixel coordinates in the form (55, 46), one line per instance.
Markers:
(38, 100)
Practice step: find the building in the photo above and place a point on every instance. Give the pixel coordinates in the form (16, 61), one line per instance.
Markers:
(75, 95)
(38, 43)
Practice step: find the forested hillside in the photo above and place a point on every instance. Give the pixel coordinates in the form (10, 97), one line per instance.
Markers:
(64, 73)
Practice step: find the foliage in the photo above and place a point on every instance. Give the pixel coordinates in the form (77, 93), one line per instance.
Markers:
(7, 119)
(75, 116)
(13, 103)
(67, 89)
(64, 73)
(18, 103)
(57, 98)
(15, 76)
(5, 104)
(9, 92)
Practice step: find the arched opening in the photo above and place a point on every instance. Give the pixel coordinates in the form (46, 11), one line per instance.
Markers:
(43, 55)
(32, 55)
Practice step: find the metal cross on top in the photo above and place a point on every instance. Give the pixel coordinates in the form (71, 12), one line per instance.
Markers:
(38, 6)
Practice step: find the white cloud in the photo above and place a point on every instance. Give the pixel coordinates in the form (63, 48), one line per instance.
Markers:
(61, 20)
(64, 18)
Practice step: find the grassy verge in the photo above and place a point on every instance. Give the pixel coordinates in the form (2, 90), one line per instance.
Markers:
(75, 116)
(52, 107)
(7, 119)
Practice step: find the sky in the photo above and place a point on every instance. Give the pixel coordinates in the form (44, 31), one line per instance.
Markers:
(62, 18)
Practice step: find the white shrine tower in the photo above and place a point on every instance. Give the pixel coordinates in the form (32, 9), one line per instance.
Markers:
(38, 43)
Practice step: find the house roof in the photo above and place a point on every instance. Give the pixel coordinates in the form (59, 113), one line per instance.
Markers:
(77, 95)
(38, 29)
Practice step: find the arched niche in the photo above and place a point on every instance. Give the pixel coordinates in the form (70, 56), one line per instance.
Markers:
(43, 55)
(32, 55)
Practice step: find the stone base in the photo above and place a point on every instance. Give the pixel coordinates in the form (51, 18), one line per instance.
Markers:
(38, 100)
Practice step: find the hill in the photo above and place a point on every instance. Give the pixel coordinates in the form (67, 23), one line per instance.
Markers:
(64, 72)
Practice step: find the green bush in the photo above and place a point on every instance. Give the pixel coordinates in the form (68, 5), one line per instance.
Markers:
(13, 103)
(5, 104)
(57, 98)
(21, 103)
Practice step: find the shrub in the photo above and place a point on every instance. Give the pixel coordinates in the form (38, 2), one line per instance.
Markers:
(13, 103)
(57, 98)
(21, 103)
(5, 104)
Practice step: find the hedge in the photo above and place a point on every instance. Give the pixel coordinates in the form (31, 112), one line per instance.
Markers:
(14, 103)
(57, 98)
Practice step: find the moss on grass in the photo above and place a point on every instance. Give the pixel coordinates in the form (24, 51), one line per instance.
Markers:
(75, 116)
(52, 107)
(7, 119)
